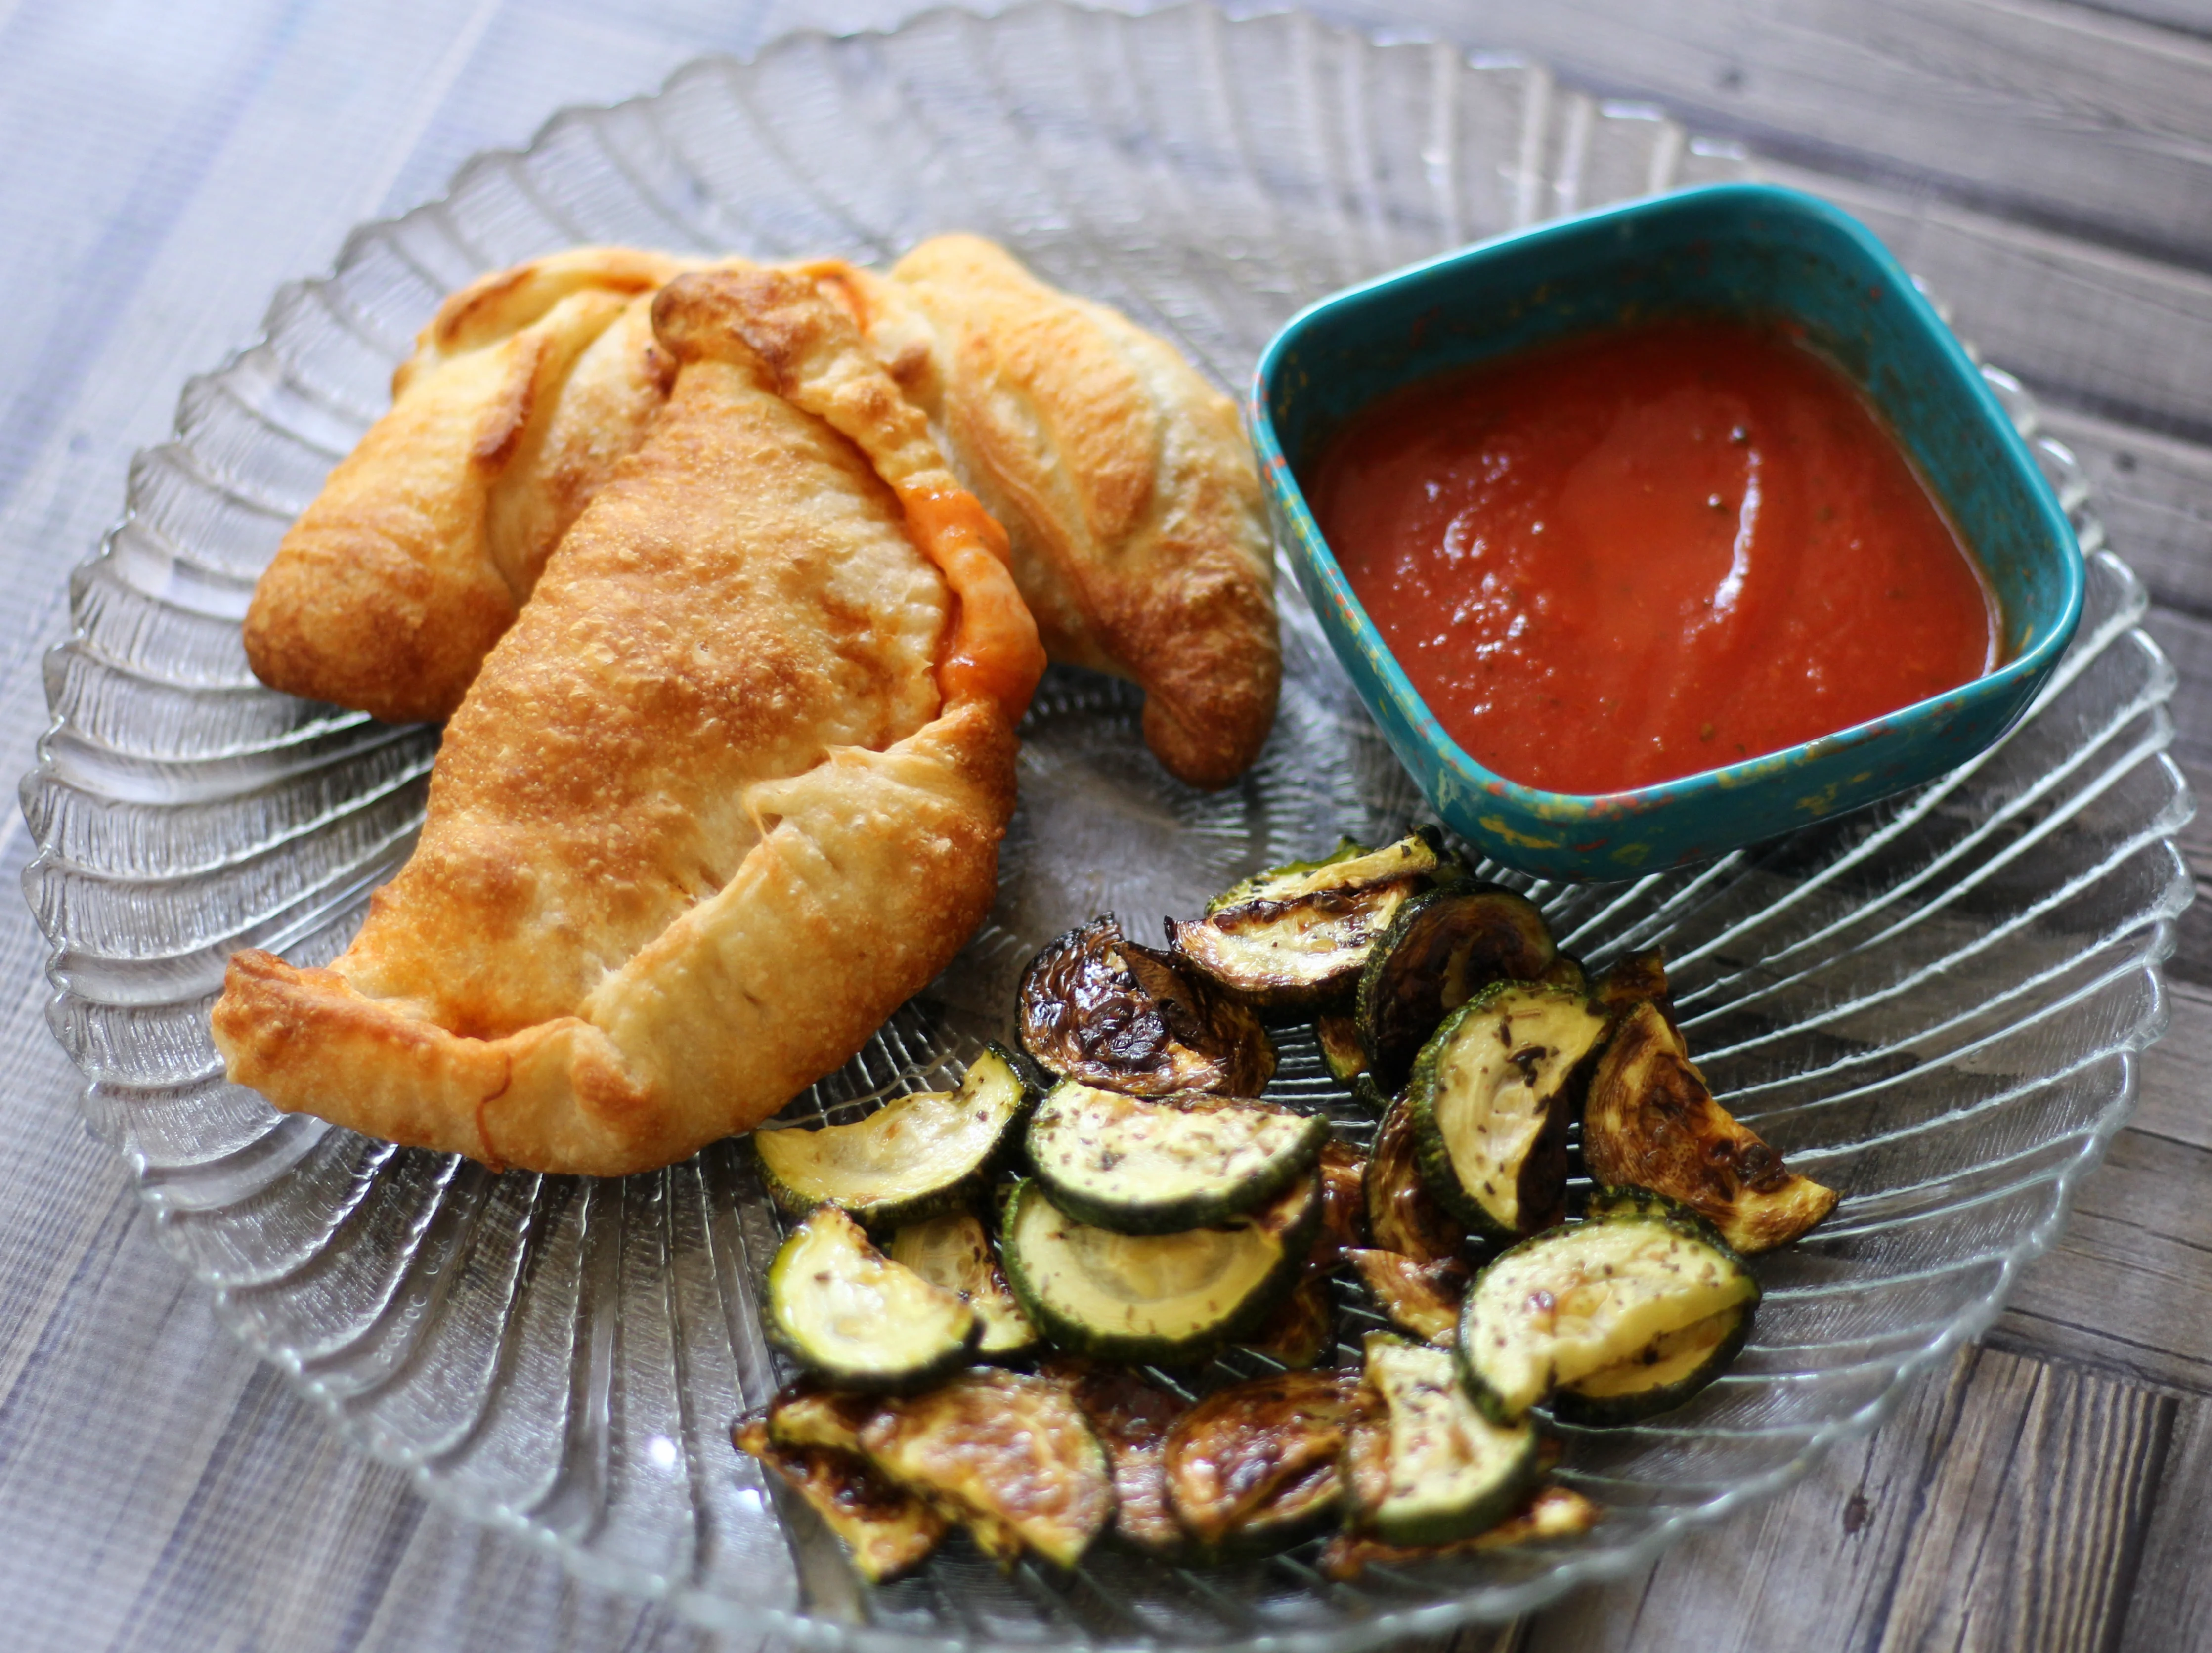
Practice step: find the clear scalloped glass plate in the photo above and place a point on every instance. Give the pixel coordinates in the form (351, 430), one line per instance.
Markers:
(1935, 1004)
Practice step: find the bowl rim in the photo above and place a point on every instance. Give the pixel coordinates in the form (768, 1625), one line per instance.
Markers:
(2017, 676)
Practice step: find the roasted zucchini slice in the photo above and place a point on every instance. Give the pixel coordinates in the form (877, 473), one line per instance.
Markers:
(913, 1157)
(1370, 1096)
(1337, 1033)
(1343, 1172)
(1169, 1299)
(1253, 1468)
(1423, 1298)
(809, 1413)
(1095, 1006)
(1299, 934)
(1629, 980)
(1571, 1302)
(1566, 972)
(1649, 1122)
(1421, 1464)
(1491, 1096)
(1132, 1419)
(1006, 1454)
(1662, 1376)
(888, 1530)
(954, 1251)
(1402, 1215)
(1302, 1328)
(1159, 1165)
(1547, 1512)
(845, 1311)
(1442, 949)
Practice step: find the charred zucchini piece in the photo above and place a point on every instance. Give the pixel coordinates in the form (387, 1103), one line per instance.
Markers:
(1492, 1096)
(1370, 1096)
(1423, 1298)
(913, 1157)
(1571, 1302)
(1132, 1419)
(1629, 980)
(1442, 949)
(1159, 1165)
(1168, 1299)
(846, 1312)
(1337, 1032)
(1421, 1464)
(809, 1413)
(888, 1530)
(1098, 1007)
(1649, 1122)
(1402, 1216)
(1566, 972)
(1302, 1329)
(1662, 1375)
(1006, 1454)
(1547, 1512)
(954, 1251)
(1252, 1468)
(1343, 1172)
(1298, 934)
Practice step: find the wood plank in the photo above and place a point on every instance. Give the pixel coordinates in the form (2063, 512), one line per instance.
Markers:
(2173, 1609)
(2128, 1287)
(2030, 1531)
(1822, 1553)
(2042, 108)
(2176, 1103)
(2153, 494)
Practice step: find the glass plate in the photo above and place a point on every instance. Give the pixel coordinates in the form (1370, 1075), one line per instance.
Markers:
(1935, 1004)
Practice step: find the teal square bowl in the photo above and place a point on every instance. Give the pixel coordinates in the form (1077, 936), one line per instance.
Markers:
(1749, 251)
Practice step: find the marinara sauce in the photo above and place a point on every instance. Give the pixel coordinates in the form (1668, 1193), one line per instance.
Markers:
(1649, 552)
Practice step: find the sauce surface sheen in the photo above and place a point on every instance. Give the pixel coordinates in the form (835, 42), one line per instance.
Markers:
(1649, 552)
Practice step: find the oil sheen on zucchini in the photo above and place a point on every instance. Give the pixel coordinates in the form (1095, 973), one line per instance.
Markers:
(1160, 1298)
(1572, 1302)
(846, 1312)
(913, 1157)
(1141, 1165)
(1491, 1095)
(1298, 934)
(888, 1530)
(1421, 1464)
(1423, 1298)
(1402, 1215)
(954, 1251)
(1662, 1376)
(1007, 1455)
(1441, 949)
(1253, 1468)
(1650, 1122)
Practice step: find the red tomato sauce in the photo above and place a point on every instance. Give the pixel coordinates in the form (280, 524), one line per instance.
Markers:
(1647, 553)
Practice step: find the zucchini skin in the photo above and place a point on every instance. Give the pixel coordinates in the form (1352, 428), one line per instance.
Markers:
(1369, 1454)
(995, 1064)
(787, 1288)
(1540, 1189)
(1442, 948)
(1078, 1338)
(1606, 1412)
(1134, 1214)
(1605, 1206)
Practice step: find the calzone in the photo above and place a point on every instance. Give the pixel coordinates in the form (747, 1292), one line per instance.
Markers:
(522, 393)
(1122, 477)
(728, 791)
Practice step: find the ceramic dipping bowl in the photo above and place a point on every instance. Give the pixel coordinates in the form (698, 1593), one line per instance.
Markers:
(1748, 252)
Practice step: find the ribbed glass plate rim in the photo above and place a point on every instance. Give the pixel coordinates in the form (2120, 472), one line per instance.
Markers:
(1450, 1612)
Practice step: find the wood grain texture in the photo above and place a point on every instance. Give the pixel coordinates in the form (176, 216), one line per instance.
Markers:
(2029, 1532)
(2048, 165)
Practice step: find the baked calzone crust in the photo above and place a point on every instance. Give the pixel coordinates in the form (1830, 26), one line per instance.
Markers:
(522, 393)
(1123, 478)
(728, 792)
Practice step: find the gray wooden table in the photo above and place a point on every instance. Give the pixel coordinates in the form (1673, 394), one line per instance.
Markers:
(2047, 165)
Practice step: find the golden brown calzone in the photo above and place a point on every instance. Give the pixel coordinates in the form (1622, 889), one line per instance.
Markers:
(522, 393)
(1122, 477)
(1124, 481)
(729, 791)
